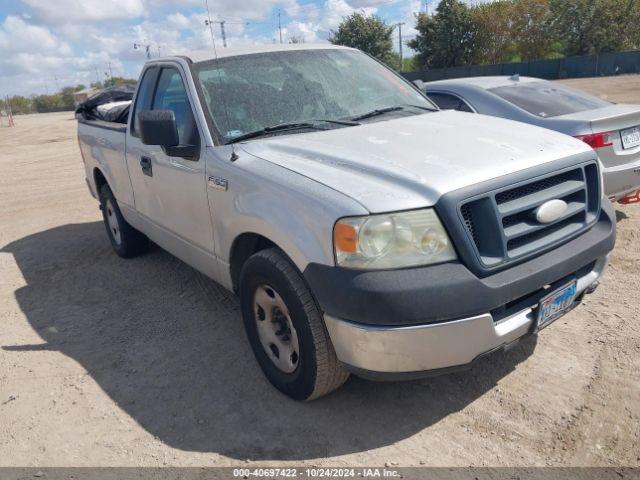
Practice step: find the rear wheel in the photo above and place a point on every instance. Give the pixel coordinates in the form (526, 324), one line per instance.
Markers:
(285, 328)
(125, 240)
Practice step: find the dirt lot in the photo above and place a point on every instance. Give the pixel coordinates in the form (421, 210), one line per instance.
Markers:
(107, 362)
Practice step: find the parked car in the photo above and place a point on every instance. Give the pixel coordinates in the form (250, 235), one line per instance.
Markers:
(613, 130)
(364, 230)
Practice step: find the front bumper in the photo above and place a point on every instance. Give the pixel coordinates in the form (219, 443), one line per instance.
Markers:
(622, 180)
(392, 322)
(381, 352)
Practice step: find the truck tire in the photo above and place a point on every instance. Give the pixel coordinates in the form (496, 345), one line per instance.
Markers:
(285, 328)
(125, 240)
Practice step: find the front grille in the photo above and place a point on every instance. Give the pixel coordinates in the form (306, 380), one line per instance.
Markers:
(502, 224)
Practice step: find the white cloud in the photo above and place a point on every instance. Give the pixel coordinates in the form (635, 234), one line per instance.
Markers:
(307, 31)
(178, 20)
(71, 11)
(336, 10)
(16, 36)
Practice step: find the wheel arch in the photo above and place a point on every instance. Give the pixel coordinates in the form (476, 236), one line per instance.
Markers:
(243, 246)
(99, 179)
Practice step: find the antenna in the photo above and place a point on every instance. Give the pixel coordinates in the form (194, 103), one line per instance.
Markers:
(209, 23)
(280, 24)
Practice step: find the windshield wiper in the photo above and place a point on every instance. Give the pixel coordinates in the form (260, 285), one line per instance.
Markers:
(422, 107)
(376, 112)
(283, 127)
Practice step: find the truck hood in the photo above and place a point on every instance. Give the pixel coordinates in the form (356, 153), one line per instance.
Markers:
(410, 162)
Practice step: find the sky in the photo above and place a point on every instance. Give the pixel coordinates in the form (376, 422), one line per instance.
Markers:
(48, 44)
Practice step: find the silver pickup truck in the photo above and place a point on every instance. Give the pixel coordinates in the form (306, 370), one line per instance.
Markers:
(364, 230)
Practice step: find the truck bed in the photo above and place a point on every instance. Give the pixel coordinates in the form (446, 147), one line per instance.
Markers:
(103, 147)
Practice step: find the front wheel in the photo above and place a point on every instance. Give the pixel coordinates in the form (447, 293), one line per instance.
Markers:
(285, 328)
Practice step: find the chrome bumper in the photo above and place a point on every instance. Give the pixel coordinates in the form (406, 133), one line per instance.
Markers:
(420, 348)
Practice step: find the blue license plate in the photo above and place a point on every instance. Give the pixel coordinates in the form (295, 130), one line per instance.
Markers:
(556, 304)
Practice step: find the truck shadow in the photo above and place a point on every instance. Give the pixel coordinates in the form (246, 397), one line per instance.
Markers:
(167, 345)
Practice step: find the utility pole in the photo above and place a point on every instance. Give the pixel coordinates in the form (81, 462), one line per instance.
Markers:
(147, 48)
(280, 24)
(399, 25)
(110, 72)
(55, 79)
(224, 35)
(98, 75)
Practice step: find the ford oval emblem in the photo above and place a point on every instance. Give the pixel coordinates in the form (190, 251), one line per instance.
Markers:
(551, 211)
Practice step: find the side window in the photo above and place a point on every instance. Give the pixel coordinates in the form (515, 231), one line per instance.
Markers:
(464, 107)
(172, 95)
(449, 102)
(143, 98)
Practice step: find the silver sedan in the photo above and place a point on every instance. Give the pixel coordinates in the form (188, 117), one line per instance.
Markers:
(612, 130)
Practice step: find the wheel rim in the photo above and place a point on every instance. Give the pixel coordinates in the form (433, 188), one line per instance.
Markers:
(112, 222)
(275, 330)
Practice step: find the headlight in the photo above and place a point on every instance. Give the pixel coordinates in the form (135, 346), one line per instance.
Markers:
(392, 240)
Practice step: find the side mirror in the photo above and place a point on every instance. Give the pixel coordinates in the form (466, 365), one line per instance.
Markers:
(158, 127)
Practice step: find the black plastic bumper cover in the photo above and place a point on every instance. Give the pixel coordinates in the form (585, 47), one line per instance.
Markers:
(450, 291)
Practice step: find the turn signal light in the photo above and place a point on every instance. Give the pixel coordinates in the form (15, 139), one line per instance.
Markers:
(597, 140)
(345, 237)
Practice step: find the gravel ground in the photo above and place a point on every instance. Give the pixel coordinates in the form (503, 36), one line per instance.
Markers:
(109, 362)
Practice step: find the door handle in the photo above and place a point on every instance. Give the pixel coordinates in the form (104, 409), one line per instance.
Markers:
(145, 164)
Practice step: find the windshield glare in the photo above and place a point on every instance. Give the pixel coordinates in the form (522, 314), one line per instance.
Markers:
(250, 92)
(546, 99)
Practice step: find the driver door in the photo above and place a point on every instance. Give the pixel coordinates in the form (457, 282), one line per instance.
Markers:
(171, 192)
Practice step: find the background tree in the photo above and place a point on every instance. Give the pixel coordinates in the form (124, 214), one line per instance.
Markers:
(595, 26)
(445, 39)
(19, 105)
(368, 33)
(48, 103)
(493, 32)
(532, 31)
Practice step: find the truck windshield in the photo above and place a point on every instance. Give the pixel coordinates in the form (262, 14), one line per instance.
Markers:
(247, 93)
(546, 99)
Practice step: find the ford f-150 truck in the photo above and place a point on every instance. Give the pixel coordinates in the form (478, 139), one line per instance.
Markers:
(364, 230)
